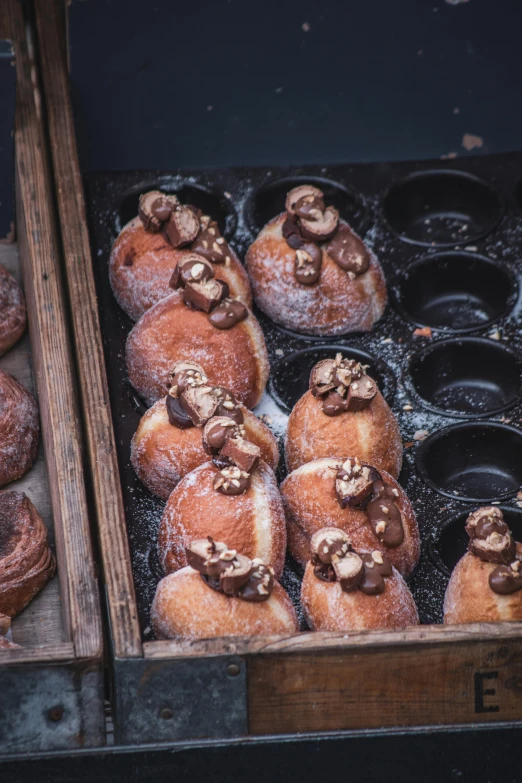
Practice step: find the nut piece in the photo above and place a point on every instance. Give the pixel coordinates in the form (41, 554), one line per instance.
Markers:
(191, 268)
(155, 209)
(216, 431)
(205, 296)
(354, 483)
(200, 404)
(346, 371)
(241, 453)
(228, 313)
(489, 536)
(182, 226)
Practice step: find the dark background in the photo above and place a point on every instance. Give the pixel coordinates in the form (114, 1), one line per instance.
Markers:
(200, 83)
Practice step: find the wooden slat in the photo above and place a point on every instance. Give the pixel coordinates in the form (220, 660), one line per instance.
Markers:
(52, 356)
(84, 307)
(380, 687)
(49, 653)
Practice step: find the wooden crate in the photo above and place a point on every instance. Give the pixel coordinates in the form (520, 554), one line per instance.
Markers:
(51, 688)
(167, 690)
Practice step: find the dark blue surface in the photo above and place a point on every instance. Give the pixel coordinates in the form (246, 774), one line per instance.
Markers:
(370, 80)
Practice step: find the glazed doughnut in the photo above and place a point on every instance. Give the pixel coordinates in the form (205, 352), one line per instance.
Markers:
(141, 266)
(315, 496)
(486, 584)
(162, 454)
(252, 522)
(365, 428)
(235, 358)
(13, 315)
(26, 562)
(221, 593)
(19, 429)
(350, 590)
(315, 276)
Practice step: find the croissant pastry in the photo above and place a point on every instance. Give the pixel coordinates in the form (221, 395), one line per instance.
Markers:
(26, 561)
(19, 429)
(13, 316)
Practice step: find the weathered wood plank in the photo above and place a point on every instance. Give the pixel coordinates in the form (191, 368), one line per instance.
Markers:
(84, 313)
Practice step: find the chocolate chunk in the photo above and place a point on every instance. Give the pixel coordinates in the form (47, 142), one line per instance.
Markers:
(216, 431)
(191, 268)
(346, 371)
(228, 405)
(200, 403)
(203, 556)
(349, 571)
(489, 536)
(361, 393)
(236, 575)
(376, 568)
(324, 544)
(505, 580)
(292, 233)
(182, 227)
(384, 515)
(334, 404)
(210, 244)
(155, 208)
(308, 262)
(260, 583)
(310, 207)
(178, 417)
(184, 375)
(348, 252)
(228, 313)
(301, 195)
(322, 378)
(232, 481)
(241, 453)
(321, 228)
(205, 296)
(354, 483)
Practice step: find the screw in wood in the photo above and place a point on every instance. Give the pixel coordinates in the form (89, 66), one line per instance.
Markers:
(166, 713)
(55, 713)
(233, 669)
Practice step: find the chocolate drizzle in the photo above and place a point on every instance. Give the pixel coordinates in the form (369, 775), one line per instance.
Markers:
(360, 485)
(228, 572)
(343, 385)
(490, 539)
(335, 560)
(308, 223)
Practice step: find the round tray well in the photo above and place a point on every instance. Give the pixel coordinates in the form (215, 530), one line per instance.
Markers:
(470, 377)
(478, 462)
(442, 208)
(455, 292)
(449, 543)
(290, 376)
(211, 202)
(269, 200)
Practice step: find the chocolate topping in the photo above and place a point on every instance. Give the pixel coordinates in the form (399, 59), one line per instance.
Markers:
(228, 405)
(241, 452)
(205, 296)
(192, 268)
(232, 481)
(505, 580)
(309, 207)
(228, 313)
(230, 573)
(345, 384)
(178, 417)
(334, 560)
(348, 252)
(200, 403)
(185, 374)
(322, 227)
(302, 194)
(384, 515)
(292, 233)
(155, 209)
(182, 226)
(216, 431)
(489, 536)
(354, 483)
(308, 262)
(376, 568)
(210, 244)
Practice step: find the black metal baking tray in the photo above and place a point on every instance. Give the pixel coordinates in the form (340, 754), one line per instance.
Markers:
(449, 237)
